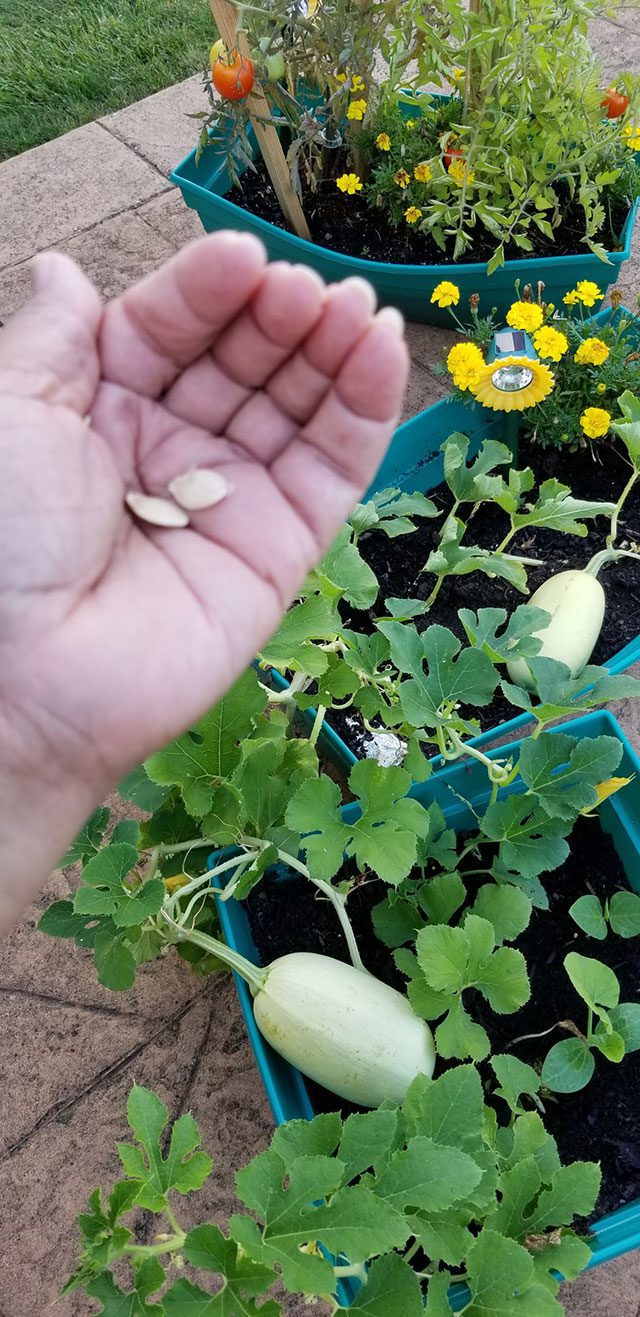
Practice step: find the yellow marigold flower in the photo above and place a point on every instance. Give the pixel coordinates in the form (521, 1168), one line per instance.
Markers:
(592, 352)
(525, 315)
(501, 400)
(550, 344)
(457, 74)
(588, 292)
(383, 142)
(341, 77)
(401, 177)
(356, 110)
(632, 134)
(464, 363)
(459, 172)
(595, 422)
(349, 183)
(357, 83)
(412, 123)
(446, 294)
(572, 298)
(602, 388)
(423, 172)
(412, 214)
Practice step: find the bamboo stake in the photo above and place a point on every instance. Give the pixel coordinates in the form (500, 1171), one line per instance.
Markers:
(226, 19)
(473, 97)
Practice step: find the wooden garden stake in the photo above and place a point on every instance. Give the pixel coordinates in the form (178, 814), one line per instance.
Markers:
(226, 19)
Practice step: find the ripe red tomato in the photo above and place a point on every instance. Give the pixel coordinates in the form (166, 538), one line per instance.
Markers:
(233, 77)
(450, 155)
(615, 102)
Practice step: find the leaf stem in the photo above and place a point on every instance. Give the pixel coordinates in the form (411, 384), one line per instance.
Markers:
(613, 533)
(600, 560)
(201, 880)
(317, 725)
(252, 974)
(337, 899)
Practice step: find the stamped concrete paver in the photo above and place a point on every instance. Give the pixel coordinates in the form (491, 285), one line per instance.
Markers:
(171, 218)
(158, 128)
(55, 190)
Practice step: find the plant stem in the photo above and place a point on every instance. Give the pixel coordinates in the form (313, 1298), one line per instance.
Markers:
(252, 974)
(357, 1269)
(142, 1251)
(612, 536)
(339, 903)
(165, 849)
(317, 725)
(411, 1251)
(600, 559)
(202, 879)
(173, 1222)
(337, 899)
(499, 773)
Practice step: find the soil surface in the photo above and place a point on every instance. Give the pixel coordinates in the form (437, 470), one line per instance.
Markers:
(583, 1123)
(598, 473)
(350, 225)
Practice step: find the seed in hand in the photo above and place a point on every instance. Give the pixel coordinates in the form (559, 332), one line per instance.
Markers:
(199, 488)
(157, 511)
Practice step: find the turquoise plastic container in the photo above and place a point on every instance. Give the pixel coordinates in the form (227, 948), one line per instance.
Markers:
(204, 187)
(285, 1087)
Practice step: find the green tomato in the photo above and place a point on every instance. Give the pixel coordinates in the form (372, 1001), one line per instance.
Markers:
(275, 66)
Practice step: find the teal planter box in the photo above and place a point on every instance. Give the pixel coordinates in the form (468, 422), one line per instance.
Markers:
(285, 1087)
(409, 287)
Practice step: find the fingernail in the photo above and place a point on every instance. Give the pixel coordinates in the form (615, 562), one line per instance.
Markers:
(355, 281)
(393, 319)
(41, 270)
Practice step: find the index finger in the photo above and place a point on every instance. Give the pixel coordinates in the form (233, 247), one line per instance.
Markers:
(171, 317)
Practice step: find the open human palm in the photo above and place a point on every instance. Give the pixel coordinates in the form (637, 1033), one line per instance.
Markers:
(116, 634)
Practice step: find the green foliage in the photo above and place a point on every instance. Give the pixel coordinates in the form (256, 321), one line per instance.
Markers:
(570, 1064)
(80, 63)
(451, 960)
(621, 914)
(556, 693)
(391, 511)
(384, 836)
(209, 751)
(437, 1173)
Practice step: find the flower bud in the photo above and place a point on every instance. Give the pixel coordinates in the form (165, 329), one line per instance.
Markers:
(527, 293)
(474, 301)
(616, 298)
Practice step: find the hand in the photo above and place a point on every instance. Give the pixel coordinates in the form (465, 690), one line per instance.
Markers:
(114, 634)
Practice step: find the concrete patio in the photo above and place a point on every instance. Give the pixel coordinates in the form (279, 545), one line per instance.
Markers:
(71, 1049)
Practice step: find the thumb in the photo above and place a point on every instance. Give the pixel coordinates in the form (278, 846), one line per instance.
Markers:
(48, 350)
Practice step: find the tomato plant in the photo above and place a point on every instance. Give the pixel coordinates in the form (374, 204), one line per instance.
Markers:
(615, 102)
(233, 77)
(218, 51)
(275, 66)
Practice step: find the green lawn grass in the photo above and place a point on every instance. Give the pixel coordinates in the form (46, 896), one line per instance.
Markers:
(65, 62)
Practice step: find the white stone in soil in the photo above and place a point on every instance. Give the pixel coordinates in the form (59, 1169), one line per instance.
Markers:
(387, 748)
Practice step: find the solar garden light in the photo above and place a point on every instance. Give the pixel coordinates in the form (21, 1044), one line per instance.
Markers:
(513, 377)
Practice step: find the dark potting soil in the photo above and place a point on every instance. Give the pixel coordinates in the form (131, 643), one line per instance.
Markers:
(348, 224)
(599, 474)
(600, 1123)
